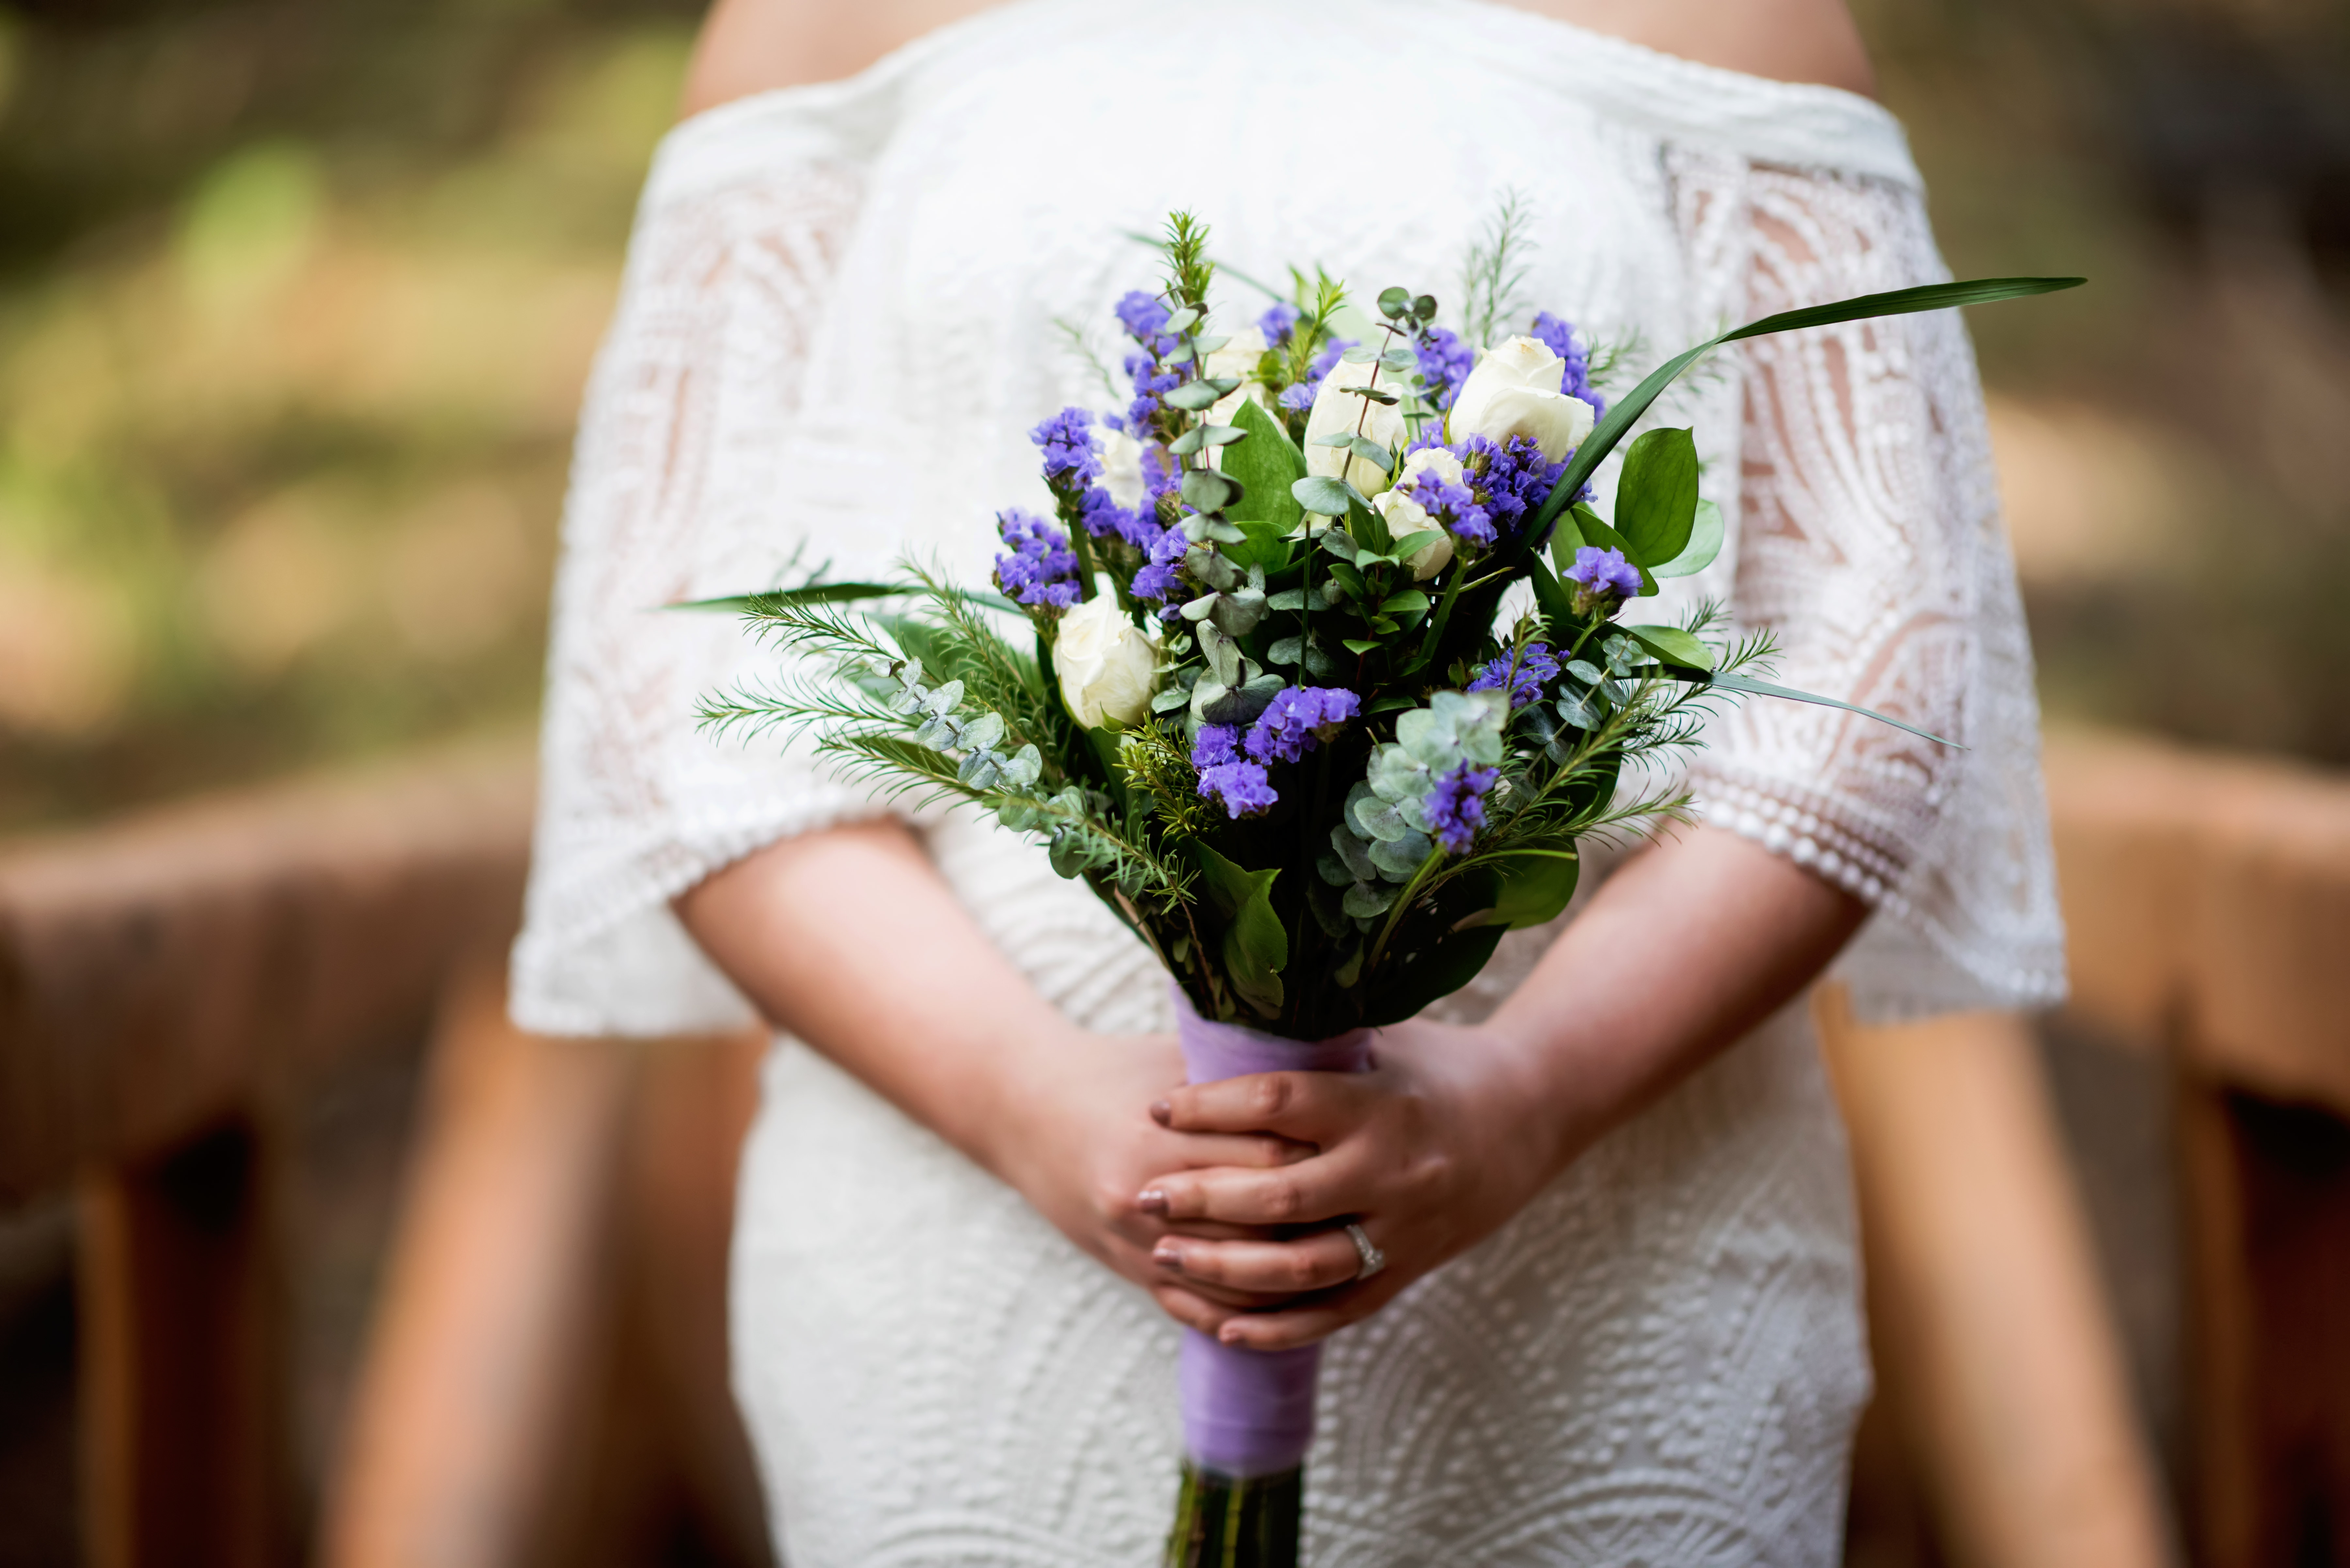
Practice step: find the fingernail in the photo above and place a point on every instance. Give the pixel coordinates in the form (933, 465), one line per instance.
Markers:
(1229, 1333)
(1152, 1201)
(1162, 1111)
(1167, 1255)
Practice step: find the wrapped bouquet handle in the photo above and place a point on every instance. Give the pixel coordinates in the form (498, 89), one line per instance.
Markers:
(1248, 1415)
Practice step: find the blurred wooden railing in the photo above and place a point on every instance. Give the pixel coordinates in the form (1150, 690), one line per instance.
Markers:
(548, 1349)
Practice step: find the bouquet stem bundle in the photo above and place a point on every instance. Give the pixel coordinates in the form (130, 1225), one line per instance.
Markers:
(1248, 1415)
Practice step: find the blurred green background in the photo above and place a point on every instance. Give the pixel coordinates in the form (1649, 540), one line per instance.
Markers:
(297, 299)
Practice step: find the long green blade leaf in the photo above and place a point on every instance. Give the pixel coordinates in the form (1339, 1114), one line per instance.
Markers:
(1765, 689)
(814, 594)
(1626, 410)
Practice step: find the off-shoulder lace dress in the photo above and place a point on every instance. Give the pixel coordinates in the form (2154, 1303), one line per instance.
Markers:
(843, 311)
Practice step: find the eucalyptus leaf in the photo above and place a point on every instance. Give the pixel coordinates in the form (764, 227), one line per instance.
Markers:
(1321, 494)
(1211, 490)
(1192, 395)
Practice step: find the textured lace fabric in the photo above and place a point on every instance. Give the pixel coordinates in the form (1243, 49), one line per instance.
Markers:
(842, 315)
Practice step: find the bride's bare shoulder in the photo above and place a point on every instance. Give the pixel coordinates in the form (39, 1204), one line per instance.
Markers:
(1786, 40)
(754, 45)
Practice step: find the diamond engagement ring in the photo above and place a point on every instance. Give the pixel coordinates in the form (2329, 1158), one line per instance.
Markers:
(1373, 1258)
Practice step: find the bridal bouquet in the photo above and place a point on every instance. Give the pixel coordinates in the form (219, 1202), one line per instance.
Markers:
(1261, 697)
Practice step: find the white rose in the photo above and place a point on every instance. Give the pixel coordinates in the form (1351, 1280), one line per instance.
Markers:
(1405, 516)
(1514, 391)
(1121, 460)
(1237, 358)
(1335, 409)
(1107, 669)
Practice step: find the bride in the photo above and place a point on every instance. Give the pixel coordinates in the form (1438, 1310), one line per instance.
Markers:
(1619, 1318)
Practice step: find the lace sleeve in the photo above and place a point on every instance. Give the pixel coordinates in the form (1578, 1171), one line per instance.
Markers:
(674, 494)
(1870, 544)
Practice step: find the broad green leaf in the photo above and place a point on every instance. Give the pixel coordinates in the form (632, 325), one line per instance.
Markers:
(1729, 682)
(1550, 596)
(1626, 410)
(1265, 545)
(1358, 644)
(1704, 545)
(1656, 498)
(1212, 491)
(1255, 945)
(1411, 601)
(1444, 969)
(1268, 464)
(1673, 645)
(1536, 885)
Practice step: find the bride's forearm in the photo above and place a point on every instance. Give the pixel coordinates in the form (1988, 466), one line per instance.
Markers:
(851, 942)
(1686, 948)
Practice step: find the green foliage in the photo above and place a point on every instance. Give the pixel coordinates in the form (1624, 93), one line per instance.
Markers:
(1256, 946)
(1656, 496)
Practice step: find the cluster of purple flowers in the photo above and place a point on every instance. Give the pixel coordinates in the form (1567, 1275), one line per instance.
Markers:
(1558, 337)
(1537, 665)
(1302, 394)
(1041, 568)
(1145, 318)
(1072, 455)
(1500, 485)
(1445, 361)
(1242, 787)
(1597, 572)
(1233, 767)
(1455, 808)
(1277, 323)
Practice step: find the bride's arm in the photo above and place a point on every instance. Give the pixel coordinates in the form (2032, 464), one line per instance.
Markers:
(1456, 1128)
(850, 940)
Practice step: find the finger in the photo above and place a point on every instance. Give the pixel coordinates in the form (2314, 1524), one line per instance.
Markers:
(1287, 1328)
(1315, 1262)
(1304, 1106)
(1302, 1194)
(1192, 1310)
(1253, 1151)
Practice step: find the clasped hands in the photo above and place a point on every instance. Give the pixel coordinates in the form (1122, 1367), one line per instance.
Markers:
(1229, 1200)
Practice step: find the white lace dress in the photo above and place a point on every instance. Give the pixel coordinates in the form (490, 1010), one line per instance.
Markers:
(839, 320)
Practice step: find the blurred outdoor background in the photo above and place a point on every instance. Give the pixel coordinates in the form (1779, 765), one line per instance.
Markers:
(297, 299)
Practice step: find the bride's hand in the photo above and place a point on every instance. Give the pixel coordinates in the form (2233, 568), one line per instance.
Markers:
(1074, 1140)
(1432, 1151)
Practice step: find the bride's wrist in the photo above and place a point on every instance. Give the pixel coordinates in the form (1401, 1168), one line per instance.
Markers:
(1019, 1117)
(1535, 1078)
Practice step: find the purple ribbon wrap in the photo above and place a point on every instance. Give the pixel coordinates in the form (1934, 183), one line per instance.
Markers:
(1250, 1413)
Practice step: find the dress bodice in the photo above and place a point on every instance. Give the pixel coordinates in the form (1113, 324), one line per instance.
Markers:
(847, 304)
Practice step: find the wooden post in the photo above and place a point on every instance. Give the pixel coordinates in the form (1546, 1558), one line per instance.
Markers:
(479, 1364)
(2267, 1188)
(186, 1454)
(1996, 1357)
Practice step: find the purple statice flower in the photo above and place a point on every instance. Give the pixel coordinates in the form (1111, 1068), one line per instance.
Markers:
(1445, 361)
(1041, 568)
(1215, 745)
(1454, 504)
(1277, 323)
(1103, 517)
(1160, 476)
(1072, 455)
(1142, 315)
(1159, 579)
(1512, 479)
(1455, 808)
(1536, 667)
(1302, 394)
(1598, 572)
(1297, 719)
(1241, 788)
(1558, 337)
